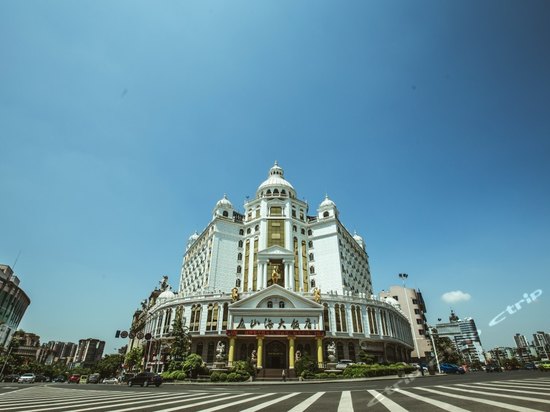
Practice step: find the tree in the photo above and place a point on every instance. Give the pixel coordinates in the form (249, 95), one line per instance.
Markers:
(109, 365)
(134, 357)
(366, 357)
(192, 365)
(446, 351)
(181, 344)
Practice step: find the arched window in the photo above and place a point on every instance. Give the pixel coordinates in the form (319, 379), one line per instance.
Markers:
(309, 232)
(354, 318)
(248, 231)
(238, 283)
(283, 192)
(326, 319)
(326, 214)
(312, 283)
(225, 312)
(225, 214)
(195, 318)
(281, 304)
(199, 349)
(340, 350)
(294, 228)
(303, 231)
(240, 256)
(337, 317)
(269, 304)
(311, 256)
(241, 232)
(256, 228)
(240, 243)
(310, 244)
(343, 316)
(212, 319)
(294, 213)
(268, 193)
(239, 269)
(275, 192)
(312, 270)
(351, 351)
(210, 353)
(359, 319)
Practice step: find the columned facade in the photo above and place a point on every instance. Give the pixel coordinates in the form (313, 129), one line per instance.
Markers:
(274, 283)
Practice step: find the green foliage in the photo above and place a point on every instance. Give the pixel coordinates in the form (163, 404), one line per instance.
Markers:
(305, 363)
(134, 357)
(233, 377)
(109, 365)
(175, 366)
(244, 366)
(223, 377)
(366, 357)
(182, 340)
(308, 374)
(215, 377)
(446, 350)
(192, 365)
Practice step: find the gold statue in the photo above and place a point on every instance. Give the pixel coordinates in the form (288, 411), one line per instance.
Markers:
(275, 274)
(234, 294)
(317, 295)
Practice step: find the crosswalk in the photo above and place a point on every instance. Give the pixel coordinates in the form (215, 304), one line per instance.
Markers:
(525, 395)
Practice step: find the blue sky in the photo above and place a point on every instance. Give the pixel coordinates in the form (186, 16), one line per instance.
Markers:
(123, 122)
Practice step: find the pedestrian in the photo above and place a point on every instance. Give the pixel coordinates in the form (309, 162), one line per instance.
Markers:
(284, 375)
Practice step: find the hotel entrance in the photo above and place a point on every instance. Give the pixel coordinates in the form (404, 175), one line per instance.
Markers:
(275, 355)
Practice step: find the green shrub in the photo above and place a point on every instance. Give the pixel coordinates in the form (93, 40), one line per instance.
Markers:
(223, 377)
(192, 365)
(305, 363)
(244, 366)
(180, 375)
(307, 374)
(322, 375)
(215, 377)
(232, 377)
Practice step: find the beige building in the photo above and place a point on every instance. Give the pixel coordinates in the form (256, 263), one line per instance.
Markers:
(413, 307)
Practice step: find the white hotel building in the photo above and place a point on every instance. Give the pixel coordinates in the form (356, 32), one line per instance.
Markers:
(276, 280)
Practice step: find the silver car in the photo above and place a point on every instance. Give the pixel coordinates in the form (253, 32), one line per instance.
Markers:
(27, 378)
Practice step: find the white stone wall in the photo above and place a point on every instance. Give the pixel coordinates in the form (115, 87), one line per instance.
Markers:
(328, 272)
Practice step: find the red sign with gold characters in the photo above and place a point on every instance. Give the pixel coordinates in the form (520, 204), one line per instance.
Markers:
(270, 332)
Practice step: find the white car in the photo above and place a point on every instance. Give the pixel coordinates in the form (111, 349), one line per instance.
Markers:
(343, 364)
(110, 380)
(27, 378)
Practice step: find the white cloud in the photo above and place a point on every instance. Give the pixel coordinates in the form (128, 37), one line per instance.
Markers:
(455, 296)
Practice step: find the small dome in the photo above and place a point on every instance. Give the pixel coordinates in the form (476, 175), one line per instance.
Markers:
(167, 294)
(276, 180)
(224, 203)
(327, 203)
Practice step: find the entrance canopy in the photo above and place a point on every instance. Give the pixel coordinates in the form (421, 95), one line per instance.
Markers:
(275, 311)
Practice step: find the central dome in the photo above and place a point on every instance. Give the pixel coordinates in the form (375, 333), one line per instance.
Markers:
(275, 185)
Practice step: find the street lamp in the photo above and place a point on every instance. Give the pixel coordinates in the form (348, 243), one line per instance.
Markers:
(403, 277)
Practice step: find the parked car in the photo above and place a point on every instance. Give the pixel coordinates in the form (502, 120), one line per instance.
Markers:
(27, 378)
(145, 379)
(544, 366)
(11, 378)
(83, 379)
(60, 379)
(94, 378)
(40, 378)
(451, 368)
(493, 367)
(110, 381)
(343, 364)
(74, 378)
